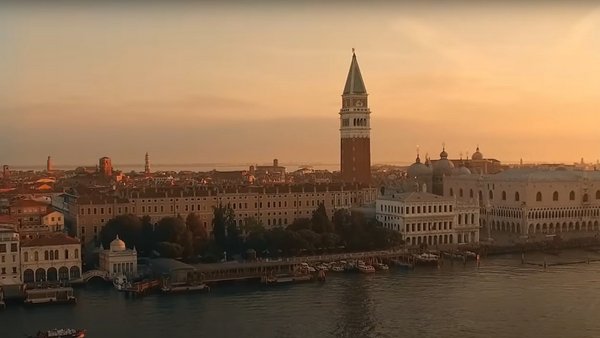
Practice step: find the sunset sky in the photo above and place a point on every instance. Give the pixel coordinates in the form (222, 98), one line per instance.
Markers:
(243, 83)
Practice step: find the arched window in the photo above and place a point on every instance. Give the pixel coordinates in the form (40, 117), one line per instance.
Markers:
(491, 195)
(517, 197)
(451, 192)
(585, 197)
(460, 192)
(598, 194)
(480, 195)
(26, 256)
(36, 257)
(46, 255)
(572, 195)
(471, 193)
(538, 196)
(76, 253)
(504, 195)
(51, 255)
(56, 254)
(555, 196)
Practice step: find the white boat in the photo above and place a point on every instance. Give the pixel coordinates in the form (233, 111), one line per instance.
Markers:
(381, 266)
(364, 268)
(337, 268)
(120, 282)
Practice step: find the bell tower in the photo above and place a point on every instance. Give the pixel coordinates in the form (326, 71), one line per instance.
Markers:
(355, 128)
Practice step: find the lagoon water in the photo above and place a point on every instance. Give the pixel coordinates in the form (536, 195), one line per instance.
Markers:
(502, 298)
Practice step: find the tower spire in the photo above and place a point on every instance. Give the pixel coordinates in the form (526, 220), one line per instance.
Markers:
(354, 81)
(147, 164)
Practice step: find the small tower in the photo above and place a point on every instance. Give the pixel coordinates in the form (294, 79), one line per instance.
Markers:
(147, 165)
(355, 128)
(49, 164)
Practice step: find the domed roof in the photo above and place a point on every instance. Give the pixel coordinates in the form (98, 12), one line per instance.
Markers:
(461, 171)
(418, 169)
(443, 166)
(117, 245)
(477, 155)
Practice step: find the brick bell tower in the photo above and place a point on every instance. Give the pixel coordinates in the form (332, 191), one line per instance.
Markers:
(355, 128)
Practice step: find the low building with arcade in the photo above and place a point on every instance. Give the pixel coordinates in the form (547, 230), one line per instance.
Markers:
(51, 258)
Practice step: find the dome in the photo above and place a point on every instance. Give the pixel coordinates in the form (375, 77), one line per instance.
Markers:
(117, 245)
(477, 155)
(443, 166)
(418, 169)
(461, 171)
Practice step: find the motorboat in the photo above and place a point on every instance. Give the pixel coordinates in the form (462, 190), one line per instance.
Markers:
(365, 268)
(60, 333)
(120, 282)
(382, 266)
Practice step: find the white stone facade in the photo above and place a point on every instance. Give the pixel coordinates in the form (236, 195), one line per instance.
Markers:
(10, 269)
(118, 260)
(533, 203)
(424, 218)
(52, 258)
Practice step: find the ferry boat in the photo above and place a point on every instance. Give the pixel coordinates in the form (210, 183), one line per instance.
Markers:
(426, 258)
(60, 333)
(382, 266)
(50, 295)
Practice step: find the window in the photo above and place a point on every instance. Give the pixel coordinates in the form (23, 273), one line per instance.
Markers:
(555, 196)
(504, 195)
(460, 192)
(26, 257)
(2, 247)
(46, 256)
(451, 192)
(517, 197)
(598, 194)
(585, 197)
(76, 253)
(538, 196)
(572, 195)
(66, 254)
(36, 256)
(491, 195)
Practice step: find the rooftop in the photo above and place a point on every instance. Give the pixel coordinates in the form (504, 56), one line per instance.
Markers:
(50, 240)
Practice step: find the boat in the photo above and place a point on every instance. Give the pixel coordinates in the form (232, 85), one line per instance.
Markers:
(50, 295)
(120, 282)
(365, 268)
(60, 333)
(184, 288)
(426, 258)
(337, 268)
(381, 266)
(286, 279)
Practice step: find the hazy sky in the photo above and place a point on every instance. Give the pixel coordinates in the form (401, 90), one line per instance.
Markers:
(241, 82)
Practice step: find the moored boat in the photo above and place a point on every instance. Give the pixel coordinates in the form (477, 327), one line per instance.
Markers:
(60, 333)
(381, 266)
(365, 268)
(120, 282)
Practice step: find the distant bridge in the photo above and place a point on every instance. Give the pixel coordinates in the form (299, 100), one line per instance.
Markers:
(86, 276)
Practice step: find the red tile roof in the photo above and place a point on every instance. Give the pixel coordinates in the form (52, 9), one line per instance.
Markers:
(50, 240)
(28, 203)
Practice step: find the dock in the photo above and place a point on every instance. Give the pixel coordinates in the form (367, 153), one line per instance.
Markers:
(50, 295)
(142, 288)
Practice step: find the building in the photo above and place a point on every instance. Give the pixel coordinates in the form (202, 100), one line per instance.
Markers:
(268, 173)
(10, 268)
(425, 218)
(105, 166)
(35, 218)
(51, 258)
(276, 205)
(49, 167)
(147, 165)
(355, 129)
(118, 260)
(532, 204)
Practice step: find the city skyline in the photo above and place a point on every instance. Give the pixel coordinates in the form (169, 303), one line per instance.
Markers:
(215, 83)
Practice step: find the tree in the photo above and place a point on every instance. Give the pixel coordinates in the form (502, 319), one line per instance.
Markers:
(329, 240)
(170, 250)
(173, 230)
(251, 224)
(147, 240)
(320, 221)
(199, 233)
(312, 239)
(128, 227)
(223, 217)
(299, 224)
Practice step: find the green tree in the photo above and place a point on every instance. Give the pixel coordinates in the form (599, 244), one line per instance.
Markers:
(223, 217)
(199, 233)
(299, 224)
(170, 250)
(128, 227)
(311, 239)
(147, 243)
(320, 221)
(174, 230)
(251, 224)
(329, 240)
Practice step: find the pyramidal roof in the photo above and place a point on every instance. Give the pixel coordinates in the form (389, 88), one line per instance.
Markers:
(354, 82)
